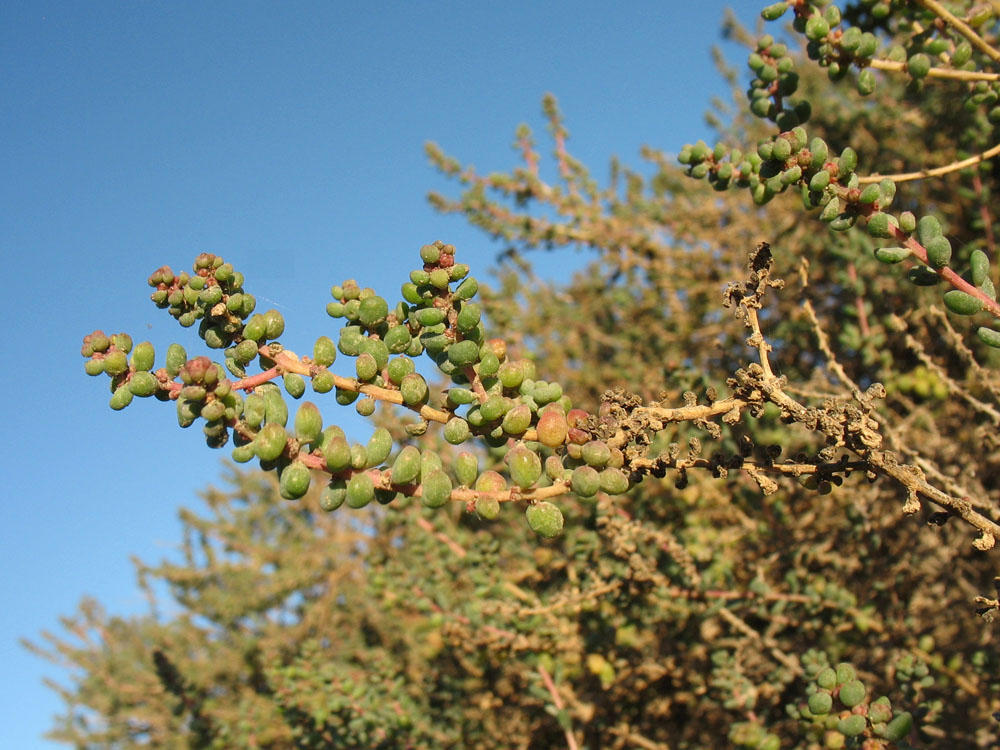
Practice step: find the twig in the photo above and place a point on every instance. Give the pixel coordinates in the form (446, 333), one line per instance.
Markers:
(936, 171)
(948, 73)
(558, 701)
(962, 28)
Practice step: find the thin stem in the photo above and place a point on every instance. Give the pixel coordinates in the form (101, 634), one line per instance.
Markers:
(908, 241)
(558, 701)
(962, 28)
(948, 73)
(936, 171)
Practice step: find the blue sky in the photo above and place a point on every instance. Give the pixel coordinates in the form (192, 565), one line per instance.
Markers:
(288, 138)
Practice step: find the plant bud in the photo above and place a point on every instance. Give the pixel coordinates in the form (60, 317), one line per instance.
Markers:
(270, 442)
(613, 481)
(928, 228)
(435, 489)
(143, 383)
(294, 383)
(488, 508)
(827, 679)
(524, 465)
(143, 356)
(938, 251)
(275, 323)
(254, 410)
(919, 65)
(122, 396)
(324, 351)
(980, 263)
(255, 328)
(847, 163)
(880, 225)
(323, 382)
(439, 278)
(379, 447)
(899, 728)
(922, 276)
(960, 303)
(596, 453)
(517, 420)
(366, 367)
(360, 491)
(585, 482)
(552, 428)
(413, 389)
(468, 317)
(460, 396)
(308, 422)
(545, 519)
(494, 408)
(275, 408)
(456, 431)
(372, 311)
(115, 362)
(463, 353)
(93, 366)
(337, 454)
(852, 726)
(489, 363)
(467, 289)
(892, 254)
(429, 316)
(467, 465)
(430, 254)
(820, 703)
(397, 339)
(406, 467)
(333, 495)
(294, 481)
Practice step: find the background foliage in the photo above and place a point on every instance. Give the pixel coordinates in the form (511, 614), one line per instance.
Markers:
(693, 607)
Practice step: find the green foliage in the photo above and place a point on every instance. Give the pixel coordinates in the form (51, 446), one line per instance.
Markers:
(725, 512)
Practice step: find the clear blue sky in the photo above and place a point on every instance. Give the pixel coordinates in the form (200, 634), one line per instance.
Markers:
(286, 137)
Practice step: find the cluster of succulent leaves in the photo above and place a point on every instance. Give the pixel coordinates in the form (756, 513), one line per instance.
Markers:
(690, 611)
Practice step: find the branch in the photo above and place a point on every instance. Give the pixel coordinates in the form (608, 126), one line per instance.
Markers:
(962, 28)
(936, 171)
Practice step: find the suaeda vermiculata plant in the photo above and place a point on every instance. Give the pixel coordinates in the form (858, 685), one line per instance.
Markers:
(718, 564)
